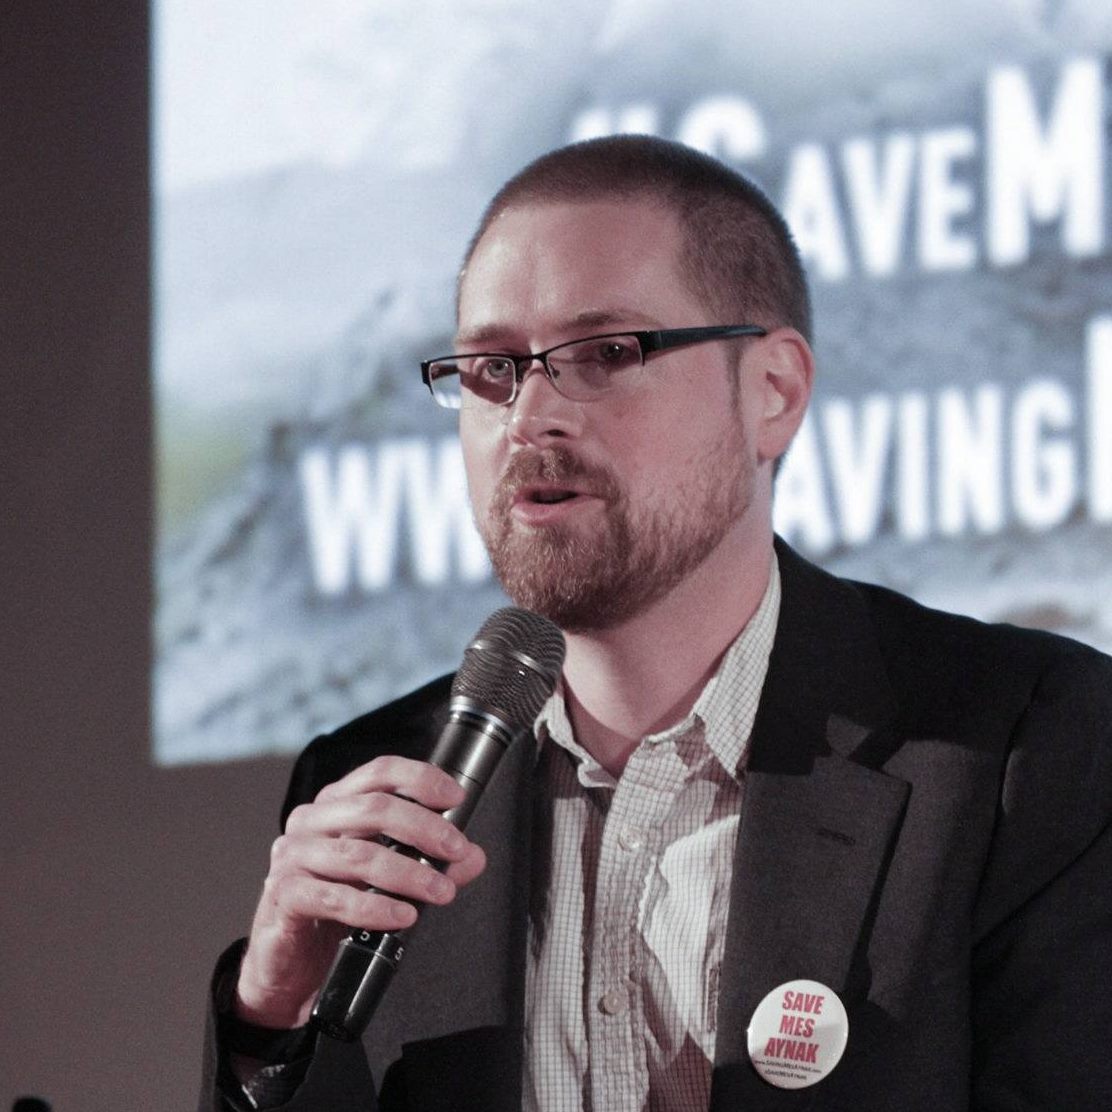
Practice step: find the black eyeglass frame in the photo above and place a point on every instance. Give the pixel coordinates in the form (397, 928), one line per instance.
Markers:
(649, 341)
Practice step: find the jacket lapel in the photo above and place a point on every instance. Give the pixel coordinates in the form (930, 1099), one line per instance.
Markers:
(816, 826)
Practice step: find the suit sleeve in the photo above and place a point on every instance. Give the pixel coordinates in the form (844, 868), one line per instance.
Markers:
(338, 1077)
(1042, 960)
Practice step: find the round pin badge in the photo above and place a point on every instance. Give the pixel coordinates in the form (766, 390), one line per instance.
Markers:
(798, 1034)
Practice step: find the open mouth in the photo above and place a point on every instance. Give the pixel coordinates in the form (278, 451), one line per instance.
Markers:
(545, 495)
(542, 500)
(548, 497)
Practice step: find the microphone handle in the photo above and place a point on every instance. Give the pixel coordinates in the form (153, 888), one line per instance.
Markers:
(469, 749)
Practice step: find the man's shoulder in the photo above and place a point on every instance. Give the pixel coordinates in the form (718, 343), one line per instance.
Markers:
(900, 618)
(911, 629)
(947, 668)
(897, 612)
(408, 726)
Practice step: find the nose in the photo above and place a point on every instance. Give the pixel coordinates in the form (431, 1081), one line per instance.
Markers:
(539, 414)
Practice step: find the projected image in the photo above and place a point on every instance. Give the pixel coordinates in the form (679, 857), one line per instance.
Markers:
(319, 170)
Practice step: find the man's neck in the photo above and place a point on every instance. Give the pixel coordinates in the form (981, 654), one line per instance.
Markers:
(645, 675)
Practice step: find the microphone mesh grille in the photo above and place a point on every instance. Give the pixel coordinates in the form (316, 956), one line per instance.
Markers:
(512, 665)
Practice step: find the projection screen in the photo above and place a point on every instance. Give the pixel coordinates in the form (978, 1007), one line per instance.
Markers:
(319, 169)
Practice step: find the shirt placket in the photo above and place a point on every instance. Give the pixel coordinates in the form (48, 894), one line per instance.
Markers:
(631, 839)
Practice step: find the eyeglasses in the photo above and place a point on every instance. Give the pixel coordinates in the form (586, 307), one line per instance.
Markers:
(580, 371)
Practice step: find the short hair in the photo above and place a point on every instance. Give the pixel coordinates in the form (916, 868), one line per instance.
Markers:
(738, 254)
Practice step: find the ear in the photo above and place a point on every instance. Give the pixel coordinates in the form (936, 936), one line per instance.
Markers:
(787, 368)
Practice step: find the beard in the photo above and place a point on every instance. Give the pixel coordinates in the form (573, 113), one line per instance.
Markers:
(594, 580)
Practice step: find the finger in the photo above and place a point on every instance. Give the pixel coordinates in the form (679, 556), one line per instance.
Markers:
(312, 898)
(377, 813)
(464, 871)
(417, 780)
(363, 864)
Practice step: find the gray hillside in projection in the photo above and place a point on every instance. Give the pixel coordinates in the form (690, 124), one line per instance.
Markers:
(237, 589)
(250, 657)
(267, 284)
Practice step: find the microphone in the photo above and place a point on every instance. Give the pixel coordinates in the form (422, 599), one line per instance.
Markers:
(509, 670)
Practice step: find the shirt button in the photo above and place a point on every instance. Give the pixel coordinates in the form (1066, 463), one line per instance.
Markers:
(613, 1001)
(631, 838)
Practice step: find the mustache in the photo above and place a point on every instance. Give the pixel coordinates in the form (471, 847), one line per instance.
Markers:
(556, 465)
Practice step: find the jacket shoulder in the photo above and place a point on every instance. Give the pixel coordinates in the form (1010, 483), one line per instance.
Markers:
(917, 638)
(408, 726)
(985, 679)
(946, 670)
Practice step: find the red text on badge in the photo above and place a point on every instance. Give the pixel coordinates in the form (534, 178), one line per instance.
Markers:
(803, 1002)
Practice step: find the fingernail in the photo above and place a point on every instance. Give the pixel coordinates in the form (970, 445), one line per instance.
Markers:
(440, 888)
(452, 841)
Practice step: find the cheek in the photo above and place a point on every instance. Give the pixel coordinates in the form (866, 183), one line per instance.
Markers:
(669, 446)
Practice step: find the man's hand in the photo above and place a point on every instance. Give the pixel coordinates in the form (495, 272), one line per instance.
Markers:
(321, 869)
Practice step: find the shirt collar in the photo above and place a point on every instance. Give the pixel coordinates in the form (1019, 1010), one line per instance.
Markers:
(725, 709)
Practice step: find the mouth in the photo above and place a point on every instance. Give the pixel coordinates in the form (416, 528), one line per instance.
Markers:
(538, 505)
(549, 497)
(552, 488)
(546, 495)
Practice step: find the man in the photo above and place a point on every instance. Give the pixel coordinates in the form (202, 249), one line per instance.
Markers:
(752, 777)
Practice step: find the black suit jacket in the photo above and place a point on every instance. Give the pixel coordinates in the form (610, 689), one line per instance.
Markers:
(925, 829)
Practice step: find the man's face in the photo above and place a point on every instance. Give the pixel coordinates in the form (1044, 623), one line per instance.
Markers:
(593, 511)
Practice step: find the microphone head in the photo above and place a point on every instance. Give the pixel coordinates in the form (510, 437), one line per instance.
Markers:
(511, 666)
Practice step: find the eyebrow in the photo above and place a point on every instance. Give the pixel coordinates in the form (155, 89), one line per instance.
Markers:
(589, 318)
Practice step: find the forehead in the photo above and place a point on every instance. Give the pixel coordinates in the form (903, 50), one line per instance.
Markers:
(551, 263)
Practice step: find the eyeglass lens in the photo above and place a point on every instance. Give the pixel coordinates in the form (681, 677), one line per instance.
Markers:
(580, 371)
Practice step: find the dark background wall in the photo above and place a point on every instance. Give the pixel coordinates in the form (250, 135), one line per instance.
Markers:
(121, 881)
